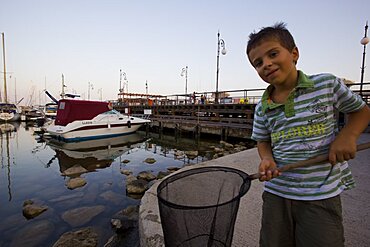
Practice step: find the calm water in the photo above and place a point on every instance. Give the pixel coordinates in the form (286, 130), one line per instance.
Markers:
(31, 169)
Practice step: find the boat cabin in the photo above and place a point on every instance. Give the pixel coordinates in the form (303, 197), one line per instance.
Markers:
(8, 108)
(73, 110)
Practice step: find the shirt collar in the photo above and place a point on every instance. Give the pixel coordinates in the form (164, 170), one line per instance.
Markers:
(267, 103)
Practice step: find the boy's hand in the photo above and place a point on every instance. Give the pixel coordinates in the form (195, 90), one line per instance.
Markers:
(268, 169)
(343, 148)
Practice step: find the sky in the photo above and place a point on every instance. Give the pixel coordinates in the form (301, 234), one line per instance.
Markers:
(91, 41)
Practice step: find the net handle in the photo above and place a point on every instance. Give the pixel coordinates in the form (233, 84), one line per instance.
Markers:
(311, 161)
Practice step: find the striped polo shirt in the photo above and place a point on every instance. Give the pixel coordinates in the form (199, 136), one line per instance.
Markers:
(301, 128)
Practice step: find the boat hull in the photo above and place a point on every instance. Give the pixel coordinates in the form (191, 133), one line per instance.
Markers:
(91, 132)
(9, 117)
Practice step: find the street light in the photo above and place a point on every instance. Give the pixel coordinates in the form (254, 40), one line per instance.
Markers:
(125, 81)
(88, 92)
(184, 71)
(364, 42)
(220, 43)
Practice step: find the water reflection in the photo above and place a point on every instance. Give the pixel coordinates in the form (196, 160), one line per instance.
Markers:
(8, 131)
(31, 169)
(92, 154)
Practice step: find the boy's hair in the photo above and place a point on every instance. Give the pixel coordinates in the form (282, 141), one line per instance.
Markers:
(276, 32)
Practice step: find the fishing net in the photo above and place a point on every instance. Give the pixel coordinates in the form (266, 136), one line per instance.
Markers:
(198, 207)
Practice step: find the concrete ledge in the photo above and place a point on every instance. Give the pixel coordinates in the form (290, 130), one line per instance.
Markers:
(355, 203)
(247, 225)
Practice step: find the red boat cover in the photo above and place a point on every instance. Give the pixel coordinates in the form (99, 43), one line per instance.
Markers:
(71, 110)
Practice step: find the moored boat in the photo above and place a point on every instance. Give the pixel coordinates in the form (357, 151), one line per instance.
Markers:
(51, 110)
(83, 120)
(9, 112)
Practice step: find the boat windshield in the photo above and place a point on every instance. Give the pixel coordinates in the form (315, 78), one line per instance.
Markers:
(6, 107)
(111, 112)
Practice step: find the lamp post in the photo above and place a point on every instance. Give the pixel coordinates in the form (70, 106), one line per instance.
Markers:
(220, 43)
(88, 92)
(125, 82)
(184, 72)
(364, 42)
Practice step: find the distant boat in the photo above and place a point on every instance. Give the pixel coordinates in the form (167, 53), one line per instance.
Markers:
(33, 114)
(51, 110)
(9, 112)
(79, 120)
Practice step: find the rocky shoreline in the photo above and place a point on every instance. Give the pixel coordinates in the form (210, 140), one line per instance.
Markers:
(124, 223)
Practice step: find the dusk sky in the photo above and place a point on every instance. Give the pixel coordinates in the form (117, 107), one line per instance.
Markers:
(91, 40)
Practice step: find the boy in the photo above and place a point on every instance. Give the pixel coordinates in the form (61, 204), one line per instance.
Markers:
(294, 121)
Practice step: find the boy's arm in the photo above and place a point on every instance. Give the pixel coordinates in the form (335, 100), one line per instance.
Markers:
(344, 146)
(267, 167)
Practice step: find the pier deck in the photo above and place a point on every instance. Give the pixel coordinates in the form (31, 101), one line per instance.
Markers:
(225, 120)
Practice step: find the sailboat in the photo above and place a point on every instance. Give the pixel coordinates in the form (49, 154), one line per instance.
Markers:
(8, 112)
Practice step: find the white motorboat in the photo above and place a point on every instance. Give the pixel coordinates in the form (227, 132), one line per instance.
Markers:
(83, 120)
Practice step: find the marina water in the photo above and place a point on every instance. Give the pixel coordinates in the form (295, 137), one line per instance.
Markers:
(32, 169)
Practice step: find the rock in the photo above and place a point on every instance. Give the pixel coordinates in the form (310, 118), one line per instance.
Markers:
(27, 202)
(173, 168)
(113, 242)
(126, 172)
(130, 178)
(86, 237)
(132, 212)
(239, 148)
(69, 197)
(150, 160)
(226, 145)
(30, 210)
(74, 183)
(74, 170)
(125, 161)
(162, 174)
(218, 150)
(126, 219)
(113, 197)
(80, 216)
(179, 154)
(9, 222)
(146, 175)
(138, 186)
(116, 223)
(191, 154)
(34, 234)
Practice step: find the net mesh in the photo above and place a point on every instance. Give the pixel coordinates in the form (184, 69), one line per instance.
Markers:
(198, 207)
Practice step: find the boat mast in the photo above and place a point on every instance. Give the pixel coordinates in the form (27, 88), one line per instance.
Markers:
(63, 86)
(5, 90)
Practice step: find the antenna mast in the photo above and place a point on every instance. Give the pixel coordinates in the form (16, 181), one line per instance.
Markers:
(63, 86)
(5, 90)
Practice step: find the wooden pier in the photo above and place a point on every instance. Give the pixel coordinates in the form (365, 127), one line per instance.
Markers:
(231, 117)
(224, 120)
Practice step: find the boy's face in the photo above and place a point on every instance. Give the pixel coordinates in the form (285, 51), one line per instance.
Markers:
(274, 63)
